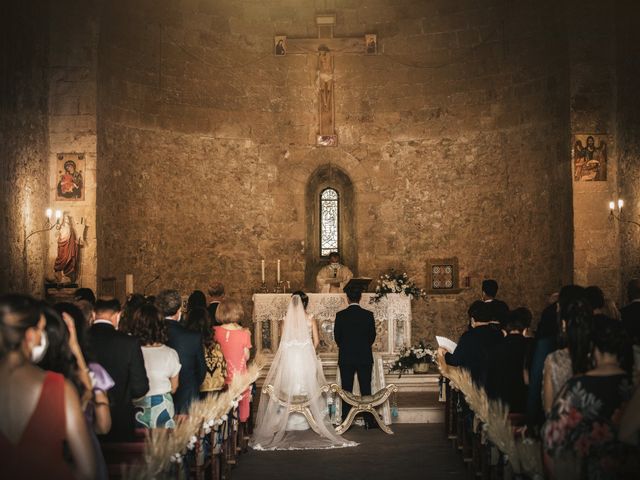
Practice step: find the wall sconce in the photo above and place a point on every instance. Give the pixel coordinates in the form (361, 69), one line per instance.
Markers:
(612, 212)
(47, 224)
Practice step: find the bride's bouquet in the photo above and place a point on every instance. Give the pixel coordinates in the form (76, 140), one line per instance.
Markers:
(394, 282)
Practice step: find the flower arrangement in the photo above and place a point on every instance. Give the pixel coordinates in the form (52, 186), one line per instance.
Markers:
(410, 356)
(394, 282)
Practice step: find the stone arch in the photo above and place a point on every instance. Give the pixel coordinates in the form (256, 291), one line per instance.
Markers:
(323, 177)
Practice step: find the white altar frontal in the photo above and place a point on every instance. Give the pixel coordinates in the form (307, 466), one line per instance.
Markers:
(392, 315)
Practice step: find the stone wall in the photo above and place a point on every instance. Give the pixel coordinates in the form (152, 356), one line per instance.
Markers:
(72, 81)
(628, 135)
(593, 77)
(454, 137)
(23, 145)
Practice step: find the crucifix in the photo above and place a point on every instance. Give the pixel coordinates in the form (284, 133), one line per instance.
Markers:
(325, 47)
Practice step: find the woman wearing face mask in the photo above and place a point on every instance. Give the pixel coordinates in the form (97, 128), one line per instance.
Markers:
(40, 410)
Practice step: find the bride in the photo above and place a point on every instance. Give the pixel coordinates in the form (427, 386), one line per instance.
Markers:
(296, 378)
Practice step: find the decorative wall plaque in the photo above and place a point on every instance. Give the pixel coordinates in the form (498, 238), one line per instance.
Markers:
(443, 275)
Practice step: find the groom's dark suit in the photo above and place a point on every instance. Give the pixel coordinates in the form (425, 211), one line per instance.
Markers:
(354, 332)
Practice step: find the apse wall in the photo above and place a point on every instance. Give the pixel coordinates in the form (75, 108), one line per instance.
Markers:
(628, 130)
(455, 137)
(23, 146)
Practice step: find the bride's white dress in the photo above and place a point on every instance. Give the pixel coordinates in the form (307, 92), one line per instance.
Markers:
(295, 375)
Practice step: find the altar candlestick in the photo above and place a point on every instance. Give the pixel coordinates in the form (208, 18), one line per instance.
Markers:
(128, 284)
(278, 276)
(262, 271)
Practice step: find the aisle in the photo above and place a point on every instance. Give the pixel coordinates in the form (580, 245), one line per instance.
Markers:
(415, 451)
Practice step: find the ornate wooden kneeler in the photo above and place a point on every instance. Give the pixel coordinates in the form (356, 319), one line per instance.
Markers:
(361, 404)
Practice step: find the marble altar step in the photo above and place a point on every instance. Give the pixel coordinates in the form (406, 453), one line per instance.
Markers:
(419, 407)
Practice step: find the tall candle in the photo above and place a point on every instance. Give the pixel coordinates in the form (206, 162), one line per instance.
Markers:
(262, 271)
(128, 284)
(278, 271)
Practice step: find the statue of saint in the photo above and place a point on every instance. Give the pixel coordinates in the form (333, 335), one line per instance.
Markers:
(332, 278)
(66, 264)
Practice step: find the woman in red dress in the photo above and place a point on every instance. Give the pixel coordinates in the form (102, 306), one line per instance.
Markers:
(40, 410)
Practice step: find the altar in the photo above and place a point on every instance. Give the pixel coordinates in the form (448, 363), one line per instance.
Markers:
(392, 315)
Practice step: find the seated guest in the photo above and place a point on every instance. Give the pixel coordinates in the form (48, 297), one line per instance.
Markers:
(499, 309)
(214, 380)
(546, 339)
(97, 380)
(84, 294)
(631, 313)
(155, 409)
(216, 295)
(45, 412)
(133, 303)
(472, 352)
(505, 377)
(472, 308)
(188, 345)
(580, 437)
(595, 296)
(235, 342)
(65, 334)
(573, 352)
(121, 356)
(196, 299)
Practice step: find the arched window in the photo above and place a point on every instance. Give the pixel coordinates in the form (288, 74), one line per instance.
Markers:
(329, 222)
(330, 219)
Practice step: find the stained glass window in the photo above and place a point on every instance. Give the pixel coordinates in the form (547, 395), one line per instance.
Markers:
(329, 214)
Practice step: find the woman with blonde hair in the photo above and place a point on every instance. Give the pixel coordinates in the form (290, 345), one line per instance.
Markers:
(235, 342)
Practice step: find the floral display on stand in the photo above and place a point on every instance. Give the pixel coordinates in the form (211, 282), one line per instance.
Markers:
(416, 359)
(394, 282)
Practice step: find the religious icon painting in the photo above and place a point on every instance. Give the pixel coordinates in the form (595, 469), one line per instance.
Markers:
(589, 152)
(280, 45)
(70, 176)
(371, 43)
(327, 140)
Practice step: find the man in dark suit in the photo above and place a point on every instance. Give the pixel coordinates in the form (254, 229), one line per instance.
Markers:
(354, 332)
(121, 357)
(472, 352)
(188, 344)
(216, 294)
(507, 361)
(499, 309)
(631, 313)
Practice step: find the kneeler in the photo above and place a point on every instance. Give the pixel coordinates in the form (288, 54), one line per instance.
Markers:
(361, 404)
(298, 404)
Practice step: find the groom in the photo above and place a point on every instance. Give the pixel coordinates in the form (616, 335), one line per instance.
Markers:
(355, 331)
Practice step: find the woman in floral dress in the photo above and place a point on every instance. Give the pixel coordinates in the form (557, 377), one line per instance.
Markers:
(581, 434)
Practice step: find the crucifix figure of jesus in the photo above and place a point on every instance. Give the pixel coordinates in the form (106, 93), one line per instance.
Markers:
(325, 47)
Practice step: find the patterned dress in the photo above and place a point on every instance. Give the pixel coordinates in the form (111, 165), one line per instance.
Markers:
(581, 434)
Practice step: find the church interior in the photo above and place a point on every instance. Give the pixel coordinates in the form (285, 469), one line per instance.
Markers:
(177, 143)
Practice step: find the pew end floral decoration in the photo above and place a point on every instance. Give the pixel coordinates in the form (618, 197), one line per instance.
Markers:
(395, 282)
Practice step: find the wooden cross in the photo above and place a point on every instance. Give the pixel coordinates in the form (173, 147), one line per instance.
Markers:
(325, 46)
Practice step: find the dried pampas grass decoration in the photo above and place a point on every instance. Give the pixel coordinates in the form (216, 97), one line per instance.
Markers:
(524, 455)
(165, 447)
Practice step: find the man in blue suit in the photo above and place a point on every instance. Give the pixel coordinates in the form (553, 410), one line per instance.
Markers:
(188, 344)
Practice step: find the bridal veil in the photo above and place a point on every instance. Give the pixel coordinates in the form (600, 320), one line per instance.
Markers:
(295, 379)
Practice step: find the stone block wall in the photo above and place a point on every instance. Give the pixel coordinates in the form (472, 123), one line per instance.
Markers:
(454, 136)
(23, 145)
(72, 100)
(592, 110)
(628, 136)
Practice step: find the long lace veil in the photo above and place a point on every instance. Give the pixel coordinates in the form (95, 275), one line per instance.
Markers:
(296, 377)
